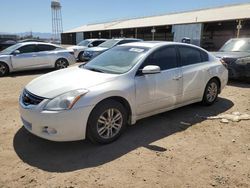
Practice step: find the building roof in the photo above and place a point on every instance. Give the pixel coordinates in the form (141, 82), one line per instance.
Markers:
(239, 11)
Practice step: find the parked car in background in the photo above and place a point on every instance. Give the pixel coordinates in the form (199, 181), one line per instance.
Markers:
(34, 55)
(93, 52)
(88, 43)
(6, 44)
(119, 87)
(236, 54)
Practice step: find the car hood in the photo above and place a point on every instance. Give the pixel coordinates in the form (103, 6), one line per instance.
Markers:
(97, 49)
(233, 55)
(76, 47)
(62, 81)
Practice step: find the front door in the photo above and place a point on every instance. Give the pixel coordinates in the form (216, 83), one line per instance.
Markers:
(162, 90)
(26, 59)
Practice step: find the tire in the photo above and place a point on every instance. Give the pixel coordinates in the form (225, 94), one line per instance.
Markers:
(103, 130)
(211, 92)
(61, 64)
(80, 57)
(4, 69)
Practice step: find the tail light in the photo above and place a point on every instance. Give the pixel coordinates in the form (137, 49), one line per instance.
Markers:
(224, 63)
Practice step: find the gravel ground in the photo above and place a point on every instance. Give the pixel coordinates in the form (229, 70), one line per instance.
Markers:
(174, 149)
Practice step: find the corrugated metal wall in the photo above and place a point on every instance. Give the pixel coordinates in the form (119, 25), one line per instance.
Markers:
(79, 37)
(192, 31)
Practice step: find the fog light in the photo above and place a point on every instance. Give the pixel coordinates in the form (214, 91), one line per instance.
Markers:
(49, 130)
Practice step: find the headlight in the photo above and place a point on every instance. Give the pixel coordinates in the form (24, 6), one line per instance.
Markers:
(243, 61)
(65, 101)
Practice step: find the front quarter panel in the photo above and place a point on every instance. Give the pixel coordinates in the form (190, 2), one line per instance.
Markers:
(120, 87)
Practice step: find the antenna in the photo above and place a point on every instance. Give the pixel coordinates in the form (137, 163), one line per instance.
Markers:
(57, 27)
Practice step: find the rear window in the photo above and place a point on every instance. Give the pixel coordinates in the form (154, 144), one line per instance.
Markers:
(190, 55)
(42, 47)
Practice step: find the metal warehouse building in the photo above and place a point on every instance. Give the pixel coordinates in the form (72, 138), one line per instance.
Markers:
(209, 28)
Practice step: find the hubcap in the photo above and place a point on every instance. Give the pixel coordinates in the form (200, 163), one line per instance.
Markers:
(2, 69)
(109, 123)
(61, 64)
(212, 92)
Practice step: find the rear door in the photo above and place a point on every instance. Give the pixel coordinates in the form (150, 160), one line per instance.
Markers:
(162, 90)
(27, 58)
(195, 65)
(45, 55)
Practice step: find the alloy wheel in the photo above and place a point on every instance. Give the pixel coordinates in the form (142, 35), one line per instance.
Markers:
(3, 69)
(212, 92)
(61, 64)
(109, 123)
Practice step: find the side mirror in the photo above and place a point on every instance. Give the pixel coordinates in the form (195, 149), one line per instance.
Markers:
(16, 52)
(151, 69)
(91, 45)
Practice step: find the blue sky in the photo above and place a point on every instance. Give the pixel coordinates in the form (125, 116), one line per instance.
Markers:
(35, 15)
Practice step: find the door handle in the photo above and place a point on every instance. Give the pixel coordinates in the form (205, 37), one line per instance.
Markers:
(34, 55)
(177, 77)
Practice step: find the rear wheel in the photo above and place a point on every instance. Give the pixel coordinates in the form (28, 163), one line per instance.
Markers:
(4, 69)
(211, 92)
(61, 64)
(106, 122)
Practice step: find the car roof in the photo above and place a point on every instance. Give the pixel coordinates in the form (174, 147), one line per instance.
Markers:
(153, 44)
(36, 43)
(119, 39)
(95, 39)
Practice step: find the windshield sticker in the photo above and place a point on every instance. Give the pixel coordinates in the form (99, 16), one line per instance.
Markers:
(138, 50)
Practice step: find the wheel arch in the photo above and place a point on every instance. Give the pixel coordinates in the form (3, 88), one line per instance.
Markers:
(60, 57)
(218, 80)
(121, 100)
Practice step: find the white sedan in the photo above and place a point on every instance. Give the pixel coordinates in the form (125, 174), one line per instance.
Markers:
(119, 87)
(34, 55)
(80, 47)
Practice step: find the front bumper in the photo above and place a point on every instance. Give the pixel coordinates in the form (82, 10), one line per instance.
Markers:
(238, 71)
(68, 125)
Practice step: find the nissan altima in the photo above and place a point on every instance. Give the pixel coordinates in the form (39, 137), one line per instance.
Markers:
(34, 55)
(124, 84)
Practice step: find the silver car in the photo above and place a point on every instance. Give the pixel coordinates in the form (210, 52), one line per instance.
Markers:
(120, 87)
(34, 55)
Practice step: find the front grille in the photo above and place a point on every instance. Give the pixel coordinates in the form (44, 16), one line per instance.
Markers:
(30, 99)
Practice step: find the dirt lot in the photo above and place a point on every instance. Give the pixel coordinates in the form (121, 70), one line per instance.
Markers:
(173, 149)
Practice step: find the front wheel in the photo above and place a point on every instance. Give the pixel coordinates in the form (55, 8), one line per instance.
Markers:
(211, 92)
(106, 122)
(80, 57)
(4, 69)
(61, 64)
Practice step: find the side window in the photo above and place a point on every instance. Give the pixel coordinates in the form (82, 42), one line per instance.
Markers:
(27, 49)
(43, 47)
(97, 43)
(204, 56)
(165, 58)
(190, 56)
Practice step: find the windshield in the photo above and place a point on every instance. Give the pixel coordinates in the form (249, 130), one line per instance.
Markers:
(83, 43)
(109, 43)
(10, 49)
(117, 60)
(236, 45)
